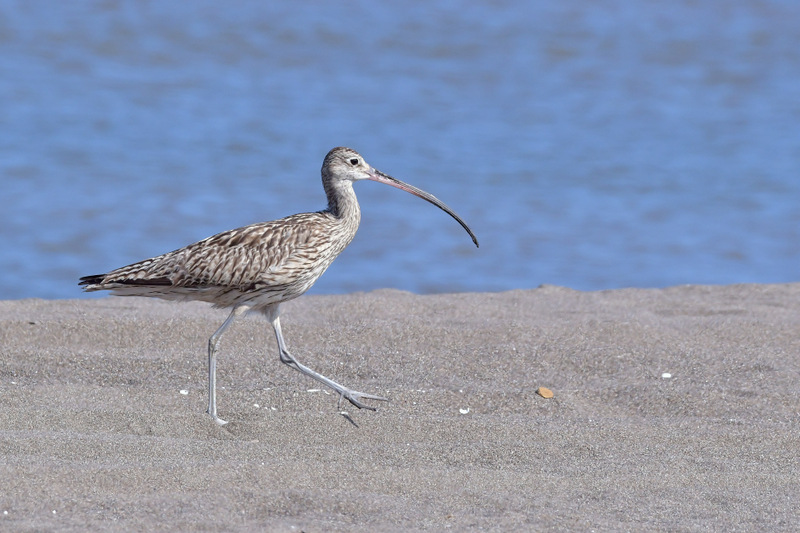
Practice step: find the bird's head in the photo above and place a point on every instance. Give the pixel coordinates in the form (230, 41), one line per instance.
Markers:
(346, 165)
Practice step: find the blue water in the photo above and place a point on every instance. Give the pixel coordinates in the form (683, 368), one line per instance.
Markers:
(589, 144)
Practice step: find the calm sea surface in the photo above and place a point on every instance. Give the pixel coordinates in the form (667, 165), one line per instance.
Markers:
(589, 144)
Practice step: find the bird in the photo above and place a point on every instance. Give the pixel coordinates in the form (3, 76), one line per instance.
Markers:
(258, 267)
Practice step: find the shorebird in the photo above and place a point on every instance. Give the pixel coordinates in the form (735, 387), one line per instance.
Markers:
(258, 267)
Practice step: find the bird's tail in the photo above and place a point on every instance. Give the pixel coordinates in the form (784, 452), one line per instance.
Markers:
(92, 283)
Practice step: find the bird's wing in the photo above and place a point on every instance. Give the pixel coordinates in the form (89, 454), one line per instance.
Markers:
(268, 253)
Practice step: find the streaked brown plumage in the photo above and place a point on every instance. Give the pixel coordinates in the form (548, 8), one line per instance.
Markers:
(258, 267)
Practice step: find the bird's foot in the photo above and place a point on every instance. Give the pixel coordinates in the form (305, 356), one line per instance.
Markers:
(355, 398)
(218, 420)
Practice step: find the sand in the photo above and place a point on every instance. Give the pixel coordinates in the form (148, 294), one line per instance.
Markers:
(673, 409)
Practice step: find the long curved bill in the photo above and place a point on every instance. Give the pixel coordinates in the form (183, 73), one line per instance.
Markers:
(380, 177)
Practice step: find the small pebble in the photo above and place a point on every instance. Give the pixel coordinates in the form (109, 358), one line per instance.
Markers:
(544, 392)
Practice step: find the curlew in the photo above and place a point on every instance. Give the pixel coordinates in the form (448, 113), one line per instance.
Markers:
(258, 267)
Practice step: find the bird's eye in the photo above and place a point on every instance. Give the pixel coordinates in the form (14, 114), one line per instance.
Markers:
(354, 161)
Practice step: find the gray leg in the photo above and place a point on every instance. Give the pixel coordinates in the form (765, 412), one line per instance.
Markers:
(213, 346)
(352, 396)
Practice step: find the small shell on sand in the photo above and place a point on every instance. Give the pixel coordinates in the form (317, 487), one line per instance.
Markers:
(544, 392)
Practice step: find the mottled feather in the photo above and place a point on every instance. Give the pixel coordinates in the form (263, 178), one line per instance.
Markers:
(262, 263)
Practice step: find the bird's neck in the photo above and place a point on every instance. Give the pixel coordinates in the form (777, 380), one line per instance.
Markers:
(342, 201)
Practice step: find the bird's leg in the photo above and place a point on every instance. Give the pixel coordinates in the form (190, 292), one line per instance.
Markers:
(213, 346)
(350, 395)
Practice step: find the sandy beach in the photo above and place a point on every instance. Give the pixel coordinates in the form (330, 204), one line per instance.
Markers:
(673, 409)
